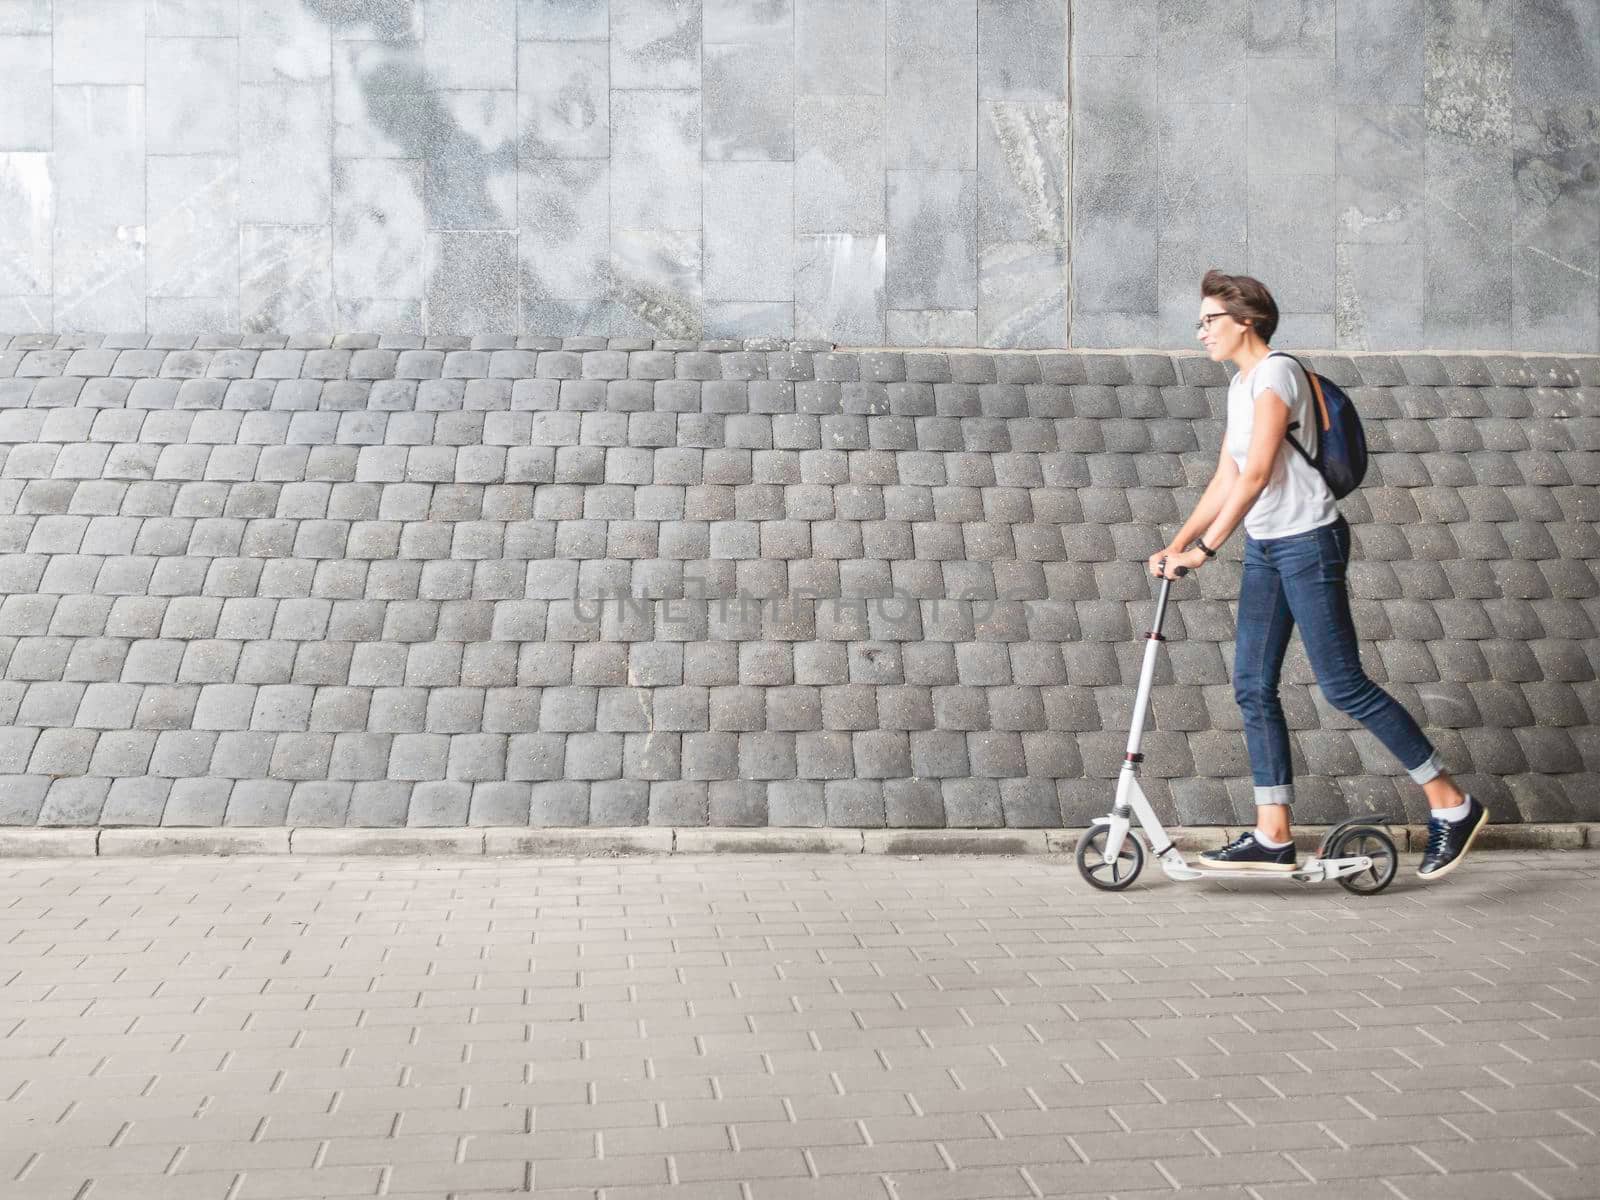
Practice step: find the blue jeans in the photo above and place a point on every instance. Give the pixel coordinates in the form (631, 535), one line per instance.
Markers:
(1300, 580)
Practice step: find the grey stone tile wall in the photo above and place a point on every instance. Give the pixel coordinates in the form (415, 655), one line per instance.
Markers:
(254, 579)
(1003, 173)
(1403, 173)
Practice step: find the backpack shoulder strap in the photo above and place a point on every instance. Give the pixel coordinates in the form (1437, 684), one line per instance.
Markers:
(1315, 381)
(1295, 442)
(1316, 391)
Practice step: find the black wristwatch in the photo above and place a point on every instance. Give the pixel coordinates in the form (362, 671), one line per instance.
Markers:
(1201, 542)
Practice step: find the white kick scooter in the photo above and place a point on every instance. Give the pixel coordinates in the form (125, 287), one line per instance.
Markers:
(1111, 852)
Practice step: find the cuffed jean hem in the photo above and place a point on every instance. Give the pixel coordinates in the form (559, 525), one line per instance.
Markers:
(1281, 793)
(1428, 771)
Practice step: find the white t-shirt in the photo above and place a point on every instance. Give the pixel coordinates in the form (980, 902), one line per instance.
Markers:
(1297, 499)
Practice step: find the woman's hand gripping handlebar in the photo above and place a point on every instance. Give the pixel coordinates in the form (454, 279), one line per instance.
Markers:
(1183, 561)
(1160, 570)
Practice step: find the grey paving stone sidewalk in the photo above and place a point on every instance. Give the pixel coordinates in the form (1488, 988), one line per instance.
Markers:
(736, 1028)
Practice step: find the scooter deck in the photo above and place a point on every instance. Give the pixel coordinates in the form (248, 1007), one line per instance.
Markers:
(1312, 870)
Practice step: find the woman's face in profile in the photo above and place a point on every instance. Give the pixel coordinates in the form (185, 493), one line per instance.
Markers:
(1219, 333)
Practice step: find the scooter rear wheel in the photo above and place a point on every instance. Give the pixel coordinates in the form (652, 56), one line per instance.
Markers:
(1375, 844)
(1103, 873)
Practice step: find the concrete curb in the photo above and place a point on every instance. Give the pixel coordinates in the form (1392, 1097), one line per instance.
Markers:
(708, 840)
(959, 841)
(584, 841)
(576, 842)
(150, 843)
(406, 842)
(49, 843)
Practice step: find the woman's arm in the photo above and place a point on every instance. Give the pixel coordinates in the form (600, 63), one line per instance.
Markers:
(1210, 502)
(1266, 436)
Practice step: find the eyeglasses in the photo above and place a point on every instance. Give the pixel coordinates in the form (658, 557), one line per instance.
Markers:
(1204, 322)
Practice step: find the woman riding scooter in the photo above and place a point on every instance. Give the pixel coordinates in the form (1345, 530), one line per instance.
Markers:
(1296, 549)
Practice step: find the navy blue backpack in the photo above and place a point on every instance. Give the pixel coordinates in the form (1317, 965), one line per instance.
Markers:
(1341, 457)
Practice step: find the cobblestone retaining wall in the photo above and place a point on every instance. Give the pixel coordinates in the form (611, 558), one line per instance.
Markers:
(252, 581)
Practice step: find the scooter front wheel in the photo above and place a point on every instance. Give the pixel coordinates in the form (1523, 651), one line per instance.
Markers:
(1107, 874)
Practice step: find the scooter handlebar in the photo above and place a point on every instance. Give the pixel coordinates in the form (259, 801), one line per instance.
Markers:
(1177, 572)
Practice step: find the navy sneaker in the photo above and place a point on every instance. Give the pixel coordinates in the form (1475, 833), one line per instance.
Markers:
(1449, 841)
(1245, 853)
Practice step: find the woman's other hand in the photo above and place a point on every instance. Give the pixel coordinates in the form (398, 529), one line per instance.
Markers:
(1174, 557)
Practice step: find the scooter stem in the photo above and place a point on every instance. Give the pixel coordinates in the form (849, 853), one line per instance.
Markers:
(1147, 672)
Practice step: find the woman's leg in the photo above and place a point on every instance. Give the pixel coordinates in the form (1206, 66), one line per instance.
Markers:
(1265, 625)
(1316, 592)
(1443, 791)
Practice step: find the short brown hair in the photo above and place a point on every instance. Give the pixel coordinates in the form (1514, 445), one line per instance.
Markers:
(1244, 299)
